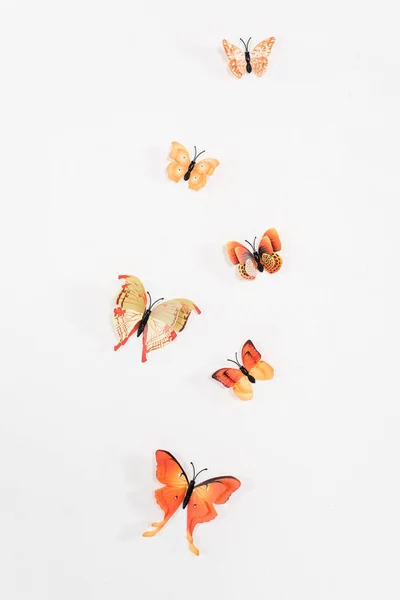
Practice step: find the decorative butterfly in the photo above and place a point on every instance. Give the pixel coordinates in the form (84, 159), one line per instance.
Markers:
(197, 497)
(257, 59)
(190, 170)
(158, 326)
(240, 379)
(265, 257)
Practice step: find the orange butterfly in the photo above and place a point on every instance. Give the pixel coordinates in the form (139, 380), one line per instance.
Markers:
(182, 166)
(257, 59)
(265, 257)
(198, 497)
(240, 379)
(159, 326)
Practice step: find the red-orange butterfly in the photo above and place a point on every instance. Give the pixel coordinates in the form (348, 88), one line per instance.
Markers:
(265, 257)
(240, 379)
(199, 498)
(159, 326)
(256, 59)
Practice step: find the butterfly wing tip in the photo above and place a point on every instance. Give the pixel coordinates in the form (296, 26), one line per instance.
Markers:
(197, 309)
(122, 276)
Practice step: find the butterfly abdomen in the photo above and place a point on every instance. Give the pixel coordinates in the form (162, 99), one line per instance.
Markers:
(272, 262)
(189, 492)
(190, 169)
(143, 322)
(258, 261)
(248, 63)
(249, 377)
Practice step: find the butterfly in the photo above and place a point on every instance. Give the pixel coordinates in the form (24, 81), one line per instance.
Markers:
(158, 325)
(240, 379)
(257, 59)
(199, 498)
(265, 257)
(192, 171)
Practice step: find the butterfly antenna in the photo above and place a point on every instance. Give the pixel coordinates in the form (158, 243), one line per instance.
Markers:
(200, 472)
(194, 472)
(196, 156)
(254, 243)
(155, 302)
(247, 45)
(250, 244)
(244, 44)
(149, 295)
(235, 362)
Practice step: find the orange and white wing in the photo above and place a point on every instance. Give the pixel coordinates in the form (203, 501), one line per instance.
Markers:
(198, 177)
(259, 56)
(169, 498)
(258, 368)
(131, 303)
(237, 61)
(270, 259)
(201, 509)
(165, 320)
(180, 161)
(234, 378)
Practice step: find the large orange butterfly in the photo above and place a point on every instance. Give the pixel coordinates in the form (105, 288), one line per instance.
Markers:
(192, 171)
(265, 257)
(240, 379)
(197, 497)
(257, 59)
(158, 326)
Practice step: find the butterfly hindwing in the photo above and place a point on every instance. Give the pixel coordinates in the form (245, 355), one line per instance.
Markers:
(198, 177)
(201, 509)
(131, 304)
(170, 497)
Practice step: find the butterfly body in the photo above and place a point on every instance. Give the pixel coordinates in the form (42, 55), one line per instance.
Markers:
(198, 498)
(143, 322)
(240, 379)
(192, 165)
(247, 374)
(158, 324)
(189, 492)
(250, 260)
(247, 61)
(193, 171)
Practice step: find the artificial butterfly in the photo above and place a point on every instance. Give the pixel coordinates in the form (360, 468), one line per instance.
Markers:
(192, 171)
(265, 257)
(197, 497)
(158, 325)
(257, 59)
(240, 379)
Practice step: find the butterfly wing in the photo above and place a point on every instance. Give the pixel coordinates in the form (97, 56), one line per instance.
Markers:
(237, 61)
(234, 378)
(201, 509)
(198, 177)
(270, 259)
(273, 235)
(165, 320)
(180, 161)
(131, 303)
(247, 265)
(265, 246)
(170, 497)
(251, 359)
(259, 56)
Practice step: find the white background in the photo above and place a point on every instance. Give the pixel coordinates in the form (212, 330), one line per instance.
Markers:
(92, 95)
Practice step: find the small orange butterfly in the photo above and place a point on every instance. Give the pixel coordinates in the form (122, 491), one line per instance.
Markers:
(249, 261)
(257, 59)
(158, 326)
(240, 379)
(192, 171)
(199, 498)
